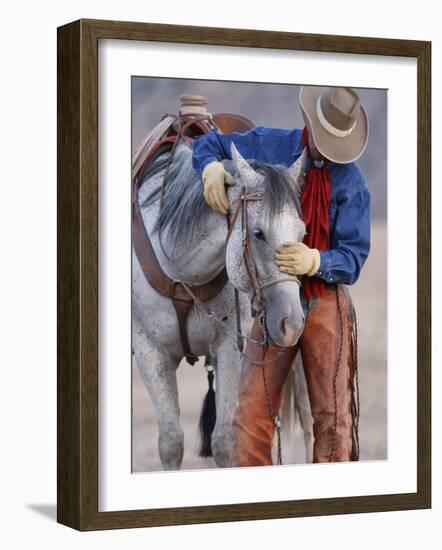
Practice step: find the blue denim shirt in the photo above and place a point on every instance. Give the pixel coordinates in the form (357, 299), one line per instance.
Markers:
(349, 213)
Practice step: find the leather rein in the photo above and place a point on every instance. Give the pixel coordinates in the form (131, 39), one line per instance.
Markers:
(241, 207)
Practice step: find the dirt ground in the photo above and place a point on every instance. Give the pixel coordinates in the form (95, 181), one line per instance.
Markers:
(370, 299)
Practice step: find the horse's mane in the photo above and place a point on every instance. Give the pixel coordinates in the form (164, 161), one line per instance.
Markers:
(184, 212)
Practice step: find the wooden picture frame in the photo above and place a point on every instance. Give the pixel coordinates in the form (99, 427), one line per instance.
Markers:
(77, 461)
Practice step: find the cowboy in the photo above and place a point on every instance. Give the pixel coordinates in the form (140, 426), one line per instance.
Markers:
(336, 210)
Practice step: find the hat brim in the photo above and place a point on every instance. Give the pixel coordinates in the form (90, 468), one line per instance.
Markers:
(337, 149)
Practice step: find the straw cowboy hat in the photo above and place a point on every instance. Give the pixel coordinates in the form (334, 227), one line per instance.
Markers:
(337, 121)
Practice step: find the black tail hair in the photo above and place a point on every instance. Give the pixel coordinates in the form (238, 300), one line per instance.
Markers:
(208, 417)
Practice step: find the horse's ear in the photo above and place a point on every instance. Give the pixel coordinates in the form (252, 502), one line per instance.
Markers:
(243, 168)
(296, 171)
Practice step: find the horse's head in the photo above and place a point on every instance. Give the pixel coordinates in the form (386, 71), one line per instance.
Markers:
(272, 220)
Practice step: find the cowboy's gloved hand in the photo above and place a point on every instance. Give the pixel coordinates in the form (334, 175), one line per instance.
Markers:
(215, 178)
(298, 259)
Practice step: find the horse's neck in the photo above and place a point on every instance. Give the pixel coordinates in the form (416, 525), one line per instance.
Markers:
(195, 263)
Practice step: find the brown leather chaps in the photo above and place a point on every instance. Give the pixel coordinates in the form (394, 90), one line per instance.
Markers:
(329, 385)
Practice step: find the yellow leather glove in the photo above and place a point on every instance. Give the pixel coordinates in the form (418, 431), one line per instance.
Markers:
(298, 259)
(215, 178)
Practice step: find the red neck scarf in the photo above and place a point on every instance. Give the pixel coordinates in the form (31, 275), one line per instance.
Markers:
(315, 201)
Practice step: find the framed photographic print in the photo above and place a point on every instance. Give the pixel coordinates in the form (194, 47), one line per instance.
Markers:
(237, 336)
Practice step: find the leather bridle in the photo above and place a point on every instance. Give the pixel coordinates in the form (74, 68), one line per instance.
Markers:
(249, 261)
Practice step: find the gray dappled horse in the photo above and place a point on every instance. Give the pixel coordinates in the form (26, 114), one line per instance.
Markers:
(193, 250)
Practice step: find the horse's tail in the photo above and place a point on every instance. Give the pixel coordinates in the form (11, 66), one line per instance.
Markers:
(296, 406)
(208, 416)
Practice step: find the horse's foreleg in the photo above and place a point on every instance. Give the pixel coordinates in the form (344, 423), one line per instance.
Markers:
(159, 375)
(227, 371)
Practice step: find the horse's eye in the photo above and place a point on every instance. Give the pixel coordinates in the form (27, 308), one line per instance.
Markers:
(259, 234)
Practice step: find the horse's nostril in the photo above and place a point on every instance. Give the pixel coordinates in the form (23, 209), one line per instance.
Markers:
(283, 325)
(288, 329)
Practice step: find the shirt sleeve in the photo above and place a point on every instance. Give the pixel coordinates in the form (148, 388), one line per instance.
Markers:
(215, 146)
(350, 244)
(265, 144)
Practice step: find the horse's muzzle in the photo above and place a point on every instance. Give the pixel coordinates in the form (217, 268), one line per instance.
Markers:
(284, 315)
